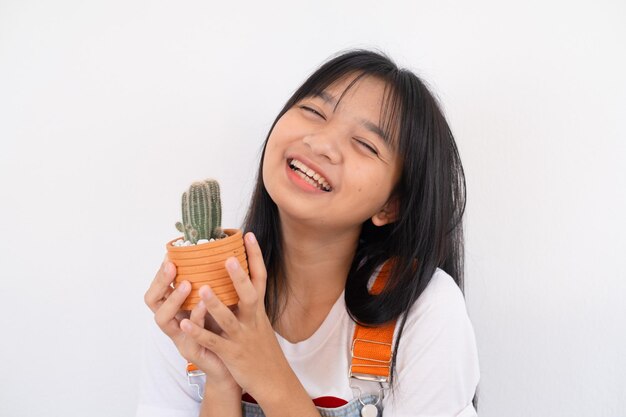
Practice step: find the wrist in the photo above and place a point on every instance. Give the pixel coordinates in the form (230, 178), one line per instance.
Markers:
(286, 397)
(226, 390)
(221, 400)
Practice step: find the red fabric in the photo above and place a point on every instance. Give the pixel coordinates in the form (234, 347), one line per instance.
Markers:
(326, 402)
(248, 398)
(329, 402)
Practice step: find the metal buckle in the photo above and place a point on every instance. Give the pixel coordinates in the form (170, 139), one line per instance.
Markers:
(383, 381)
(196, 373)
(367, 377)
(383, 363)
(381, 394)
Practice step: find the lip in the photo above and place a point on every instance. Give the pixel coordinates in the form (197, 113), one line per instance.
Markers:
(311, 165)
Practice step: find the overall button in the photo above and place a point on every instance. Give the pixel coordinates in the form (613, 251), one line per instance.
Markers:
(369, 410)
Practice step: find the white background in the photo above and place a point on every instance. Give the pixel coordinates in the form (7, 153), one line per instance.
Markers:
(108, 109)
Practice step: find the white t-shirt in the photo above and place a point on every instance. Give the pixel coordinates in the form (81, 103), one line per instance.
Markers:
(437, 363)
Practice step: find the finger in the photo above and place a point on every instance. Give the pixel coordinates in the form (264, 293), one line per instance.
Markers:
(160, 288)
(198, 314)
(248, 295)
(256, 265)
(165, 316)
(206, 338)
(210, 323)
(222, 315)
(182, 314)
(186, 345)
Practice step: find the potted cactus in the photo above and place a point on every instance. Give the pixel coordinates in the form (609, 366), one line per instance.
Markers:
(200, 254)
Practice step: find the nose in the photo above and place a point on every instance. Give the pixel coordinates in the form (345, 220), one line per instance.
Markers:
(324, 144)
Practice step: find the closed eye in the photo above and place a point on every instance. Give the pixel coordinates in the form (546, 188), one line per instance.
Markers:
(309, 109)
(367, 146)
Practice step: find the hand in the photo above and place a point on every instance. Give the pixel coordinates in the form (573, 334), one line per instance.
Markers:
(248, 345)
(165, 303)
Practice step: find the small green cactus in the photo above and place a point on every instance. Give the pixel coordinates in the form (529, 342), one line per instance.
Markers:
(202, 212)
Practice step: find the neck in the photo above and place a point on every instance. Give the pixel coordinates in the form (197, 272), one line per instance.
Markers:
(316, 262)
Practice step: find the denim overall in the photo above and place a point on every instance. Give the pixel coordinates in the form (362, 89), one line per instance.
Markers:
(352, 409)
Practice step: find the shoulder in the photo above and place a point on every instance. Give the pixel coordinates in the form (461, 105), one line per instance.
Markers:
(439, 316)
(437, 363)
(442, 299)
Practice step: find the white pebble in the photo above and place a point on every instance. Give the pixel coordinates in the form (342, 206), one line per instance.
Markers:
(179, 242)
(187, 243)
(201, 241)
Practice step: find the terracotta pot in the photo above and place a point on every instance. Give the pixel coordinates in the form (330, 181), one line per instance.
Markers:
(204, 264)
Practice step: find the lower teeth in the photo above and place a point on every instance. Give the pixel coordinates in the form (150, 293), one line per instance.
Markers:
(308, 179)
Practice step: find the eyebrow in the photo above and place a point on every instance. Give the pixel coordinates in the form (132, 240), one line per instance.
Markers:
(365, 123)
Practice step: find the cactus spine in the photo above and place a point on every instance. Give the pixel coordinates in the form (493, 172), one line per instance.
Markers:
(202, 211)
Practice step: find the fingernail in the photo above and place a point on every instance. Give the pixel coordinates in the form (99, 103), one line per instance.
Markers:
(183, 286)
(168, 268)
(251, 238)
(205, 292)
(232, 264)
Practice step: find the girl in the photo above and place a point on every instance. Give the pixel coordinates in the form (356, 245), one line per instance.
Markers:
(354, 301)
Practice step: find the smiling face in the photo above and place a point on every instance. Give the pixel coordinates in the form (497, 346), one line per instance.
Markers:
(330, 166)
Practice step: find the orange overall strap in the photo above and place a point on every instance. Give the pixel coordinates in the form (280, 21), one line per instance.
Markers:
(191, 367)
(371, 346)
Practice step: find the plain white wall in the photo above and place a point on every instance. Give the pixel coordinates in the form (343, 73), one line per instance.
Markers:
(108, 109)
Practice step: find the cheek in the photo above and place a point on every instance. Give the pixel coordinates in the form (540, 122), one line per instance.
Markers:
(376, 184)
(287, 124)
(269, 161)
(272, 149)
(367, 179)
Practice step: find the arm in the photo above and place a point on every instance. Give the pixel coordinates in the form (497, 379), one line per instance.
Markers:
(164, 394)
(284, 395)
(248, 346)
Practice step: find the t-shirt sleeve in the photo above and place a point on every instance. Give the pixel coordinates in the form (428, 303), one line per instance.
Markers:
(164, 389)
(437, 363)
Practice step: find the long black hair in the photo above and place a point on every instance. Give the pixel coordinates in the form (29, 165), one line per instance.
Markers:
(428, 233)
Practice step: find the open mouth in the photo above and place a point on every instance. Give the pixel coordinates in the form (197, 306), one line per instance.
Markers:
(309, 175)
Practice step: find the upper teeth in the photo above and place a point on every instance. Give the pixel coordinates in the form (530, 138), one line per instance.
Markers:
(310, 176)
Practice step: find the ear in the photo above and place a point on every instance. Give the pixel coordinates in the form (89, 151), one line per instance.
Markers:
(388, 214)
